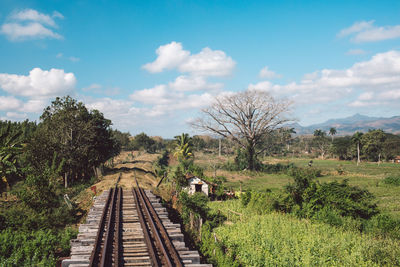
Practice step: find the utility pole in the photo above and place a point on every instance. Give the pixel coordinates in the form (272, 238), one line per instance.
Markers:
(219, 147)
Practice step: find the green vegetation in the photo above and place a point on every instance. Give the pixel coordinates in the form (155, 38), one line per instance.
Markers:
(393, 180)
(36, 161)
(283, 240)
(35, 248)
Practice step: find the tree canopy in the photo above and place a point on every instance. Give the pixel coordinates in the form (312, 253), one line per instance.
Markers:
(81, 137)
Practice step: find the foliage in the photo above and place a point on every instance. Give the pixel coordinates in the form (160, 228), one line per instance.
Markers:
(39, 191)
(341, 147)
(82, 138)
(184, 147)
(347, 200)
(179, 177)
(143, 142)
(195, 204)
(34, 248)
(215, 251)
(282, 240)
(10, 148)
(161, 164)
(321, 141)
(122, 139)
(392, 180)
(372, 144)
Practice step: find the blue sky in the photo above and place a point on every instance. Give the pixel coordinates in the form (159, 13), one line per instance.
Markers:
(152, 65)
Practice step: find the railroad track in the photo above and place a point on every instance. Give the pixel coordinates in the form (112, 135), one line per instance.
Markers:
(130, 232)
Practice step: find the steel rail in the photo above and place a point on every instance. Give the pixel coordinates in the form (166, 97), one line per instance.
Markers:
(97, 242)
(117, 232)
(108, 237)
(171, 257)
(150, 246)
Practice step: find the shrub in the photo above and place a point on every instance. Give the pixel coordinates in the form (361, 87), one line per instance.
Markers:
(245, 198)
(276, 168)
(392, 180)
(383, 224)
(34, 248)
(195, 204)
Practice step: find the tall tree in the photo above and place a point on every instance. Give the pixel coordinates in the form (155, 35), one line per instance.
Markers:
(143, 141)
(356, 139)
(246, 118)
(373, 142)
(332, 132)
(82, 138)
(320, 140)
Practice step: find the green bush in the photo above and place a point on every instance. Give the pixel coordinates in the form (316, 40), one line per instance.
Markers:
(347, 200)
(276, 168)
(195, 204)
(383, 224)
(392, 180)
(35, 248)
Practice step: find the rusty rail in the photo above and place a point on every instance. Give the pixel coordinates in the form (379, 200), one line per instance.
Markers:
(168, 252)
(150, 246)
(99, 236)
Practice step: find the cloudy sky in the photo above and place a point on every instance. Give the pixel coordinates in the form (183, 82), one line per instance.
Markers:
(152, 65)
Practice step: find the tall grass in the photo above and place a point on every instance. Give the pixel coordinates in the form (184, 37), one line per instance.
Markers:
(283, 240)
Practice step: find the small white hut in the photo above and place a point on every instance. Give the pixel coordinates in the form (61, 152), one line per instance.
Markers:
(196, 184)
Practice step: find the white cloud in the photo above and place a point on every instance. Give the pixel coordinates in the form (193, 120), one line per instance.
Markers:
(15, 31)
(39, 83)
(354, 52)
(16, 115)
(92, 87)
(356, 27)
(268, 74)
(366, 96)
(169, 56)
(30, 24)
(390, 95)
(74, 59)
(156, 95)
(373, 82)
(193, 83)
(9, 103)
(365, 31)
(33, 15)
(34, 105)
(206, 63)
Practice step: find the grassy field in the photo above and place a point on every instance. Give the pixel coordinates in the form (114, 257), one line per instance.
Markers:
(368, 175)
(282, 240)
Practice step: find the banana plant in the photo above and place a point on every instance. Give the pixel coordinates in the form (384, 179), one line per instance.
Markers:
(184, 149)
(10, 148)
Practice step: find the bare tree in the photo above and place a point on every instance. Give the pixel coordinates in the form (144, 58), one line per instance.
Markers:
(246, 118)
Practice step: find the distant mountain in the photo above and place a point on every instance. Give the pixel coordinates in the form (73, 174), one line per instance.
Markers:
(349, 125)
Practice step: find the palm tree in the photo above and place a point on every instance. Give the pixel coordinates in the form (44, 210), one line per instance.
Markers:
(184, 146)
(356, 138)
(332, 132)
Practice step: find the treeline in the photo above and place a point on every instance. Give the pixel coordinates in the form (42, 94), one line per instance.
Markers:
(373, 145)
(41, 163)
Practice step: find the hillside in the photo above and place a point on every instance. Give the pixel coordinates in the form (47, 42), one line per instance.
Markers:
(349, 125)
